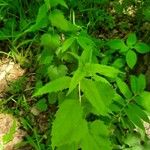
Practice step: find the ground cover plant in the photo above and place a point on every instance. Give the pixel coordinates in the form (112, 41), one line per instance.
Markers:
(86, 73)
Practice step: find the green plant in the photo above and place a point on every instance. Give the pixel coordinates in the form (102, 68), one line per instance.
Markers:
(88, 87)
(129, 48)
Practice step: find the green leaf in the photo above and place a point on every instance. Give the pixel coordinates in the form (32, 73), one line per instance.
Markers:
(68, 127)
(51, 41)
(10, 134)
(41, 20)
(41, 105)
(54, 3)
(132, 140)
(54, 86)
(145, 100)
(134, 118)
(141, 83)
(105, 70)
(58, 20)
(68, 147)
(131, 58)
(131, 40)
(88, 143)
(119, 63)
(134, 84)
(97, 137)
(99, 128)
(124, 89)
(142, 48)
(138, 84)
(115, 43)
(140, 112)
(85, 42)
(77, 77)
(96, 94)
(100, 132)
(67, 43)
(55, 72)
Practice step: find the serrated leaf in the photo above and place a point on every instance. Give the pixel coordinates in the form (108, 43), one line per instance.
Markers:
(96, 95)
(131, 58)
(142, 48)
(58, 20)
(105, 70)
(68, 127)
(131, 40)
(54, 86)
(124, 89)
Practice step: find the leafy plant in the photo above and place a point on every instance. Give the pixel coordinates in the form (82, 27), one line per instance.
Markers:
(129, 48)
(81, 59)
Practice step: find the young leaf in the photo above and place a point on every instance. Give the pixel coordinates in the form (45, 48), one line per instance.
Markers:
(131, 40)
(131, 58)
(124, 89)
(142, 48)
(54, 86)
(96, 94)
(68, 127)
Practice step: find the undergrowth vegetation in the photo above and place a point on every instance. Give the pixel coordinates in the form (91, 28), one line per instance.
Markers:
(87, 79)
